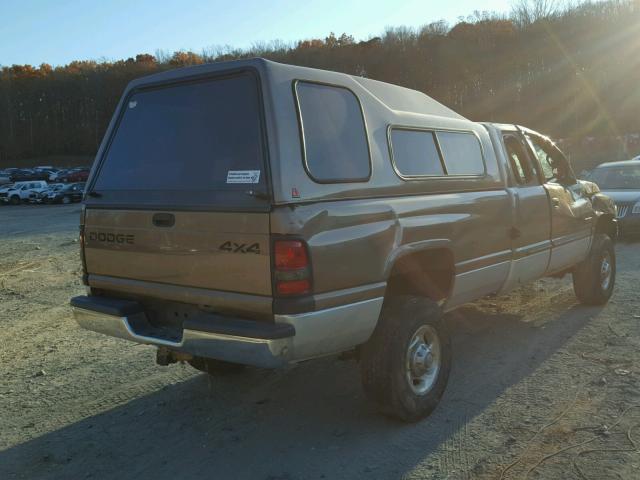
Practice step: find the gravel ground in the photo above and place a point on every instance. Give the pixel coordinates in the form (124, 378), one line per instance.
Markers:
(541, 388)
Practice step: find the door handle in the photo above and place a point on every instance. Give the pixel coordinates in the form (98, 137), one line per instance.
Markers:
(163, 219)
(556, 202)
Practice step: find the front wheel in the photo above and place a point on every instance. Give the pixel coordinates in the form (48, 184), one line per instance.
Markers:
(66, 200)
(405, 364)
(595, 277)
(15, 200)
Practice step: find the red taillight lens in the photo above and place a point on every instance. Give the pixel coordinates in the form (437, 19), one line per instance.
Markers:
(290, 255)
(292, 273)
(293, 287)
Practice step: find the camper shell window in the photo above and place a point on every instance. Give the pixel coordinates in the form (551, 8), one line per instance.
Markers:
(335, 148)
(461, 152)
(202, 141)
(417, 153)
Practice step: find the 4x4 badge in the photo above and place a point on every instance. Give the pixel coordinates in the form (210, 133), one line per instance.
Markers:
(233, 247)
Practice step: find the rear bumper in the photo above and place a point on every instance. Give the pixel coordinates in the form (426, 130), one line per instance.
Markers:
(291, 338)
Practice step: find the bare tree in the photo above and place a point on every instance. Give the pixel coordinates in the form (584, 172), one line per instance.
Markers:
(526, 12)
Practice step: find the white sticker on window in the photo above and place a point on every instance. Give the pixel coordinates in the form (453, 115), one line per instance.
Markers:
(243, 176)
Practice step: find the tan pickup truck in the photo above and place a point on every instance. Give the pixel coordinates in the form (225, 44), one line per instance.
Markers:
(253, 213)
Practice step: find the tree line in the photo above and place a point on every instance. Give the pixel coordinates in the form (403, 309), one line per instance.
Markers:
(572, 72)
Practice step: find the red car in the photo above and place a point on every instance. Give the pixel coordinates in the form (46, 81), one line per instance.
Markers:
(76, 175)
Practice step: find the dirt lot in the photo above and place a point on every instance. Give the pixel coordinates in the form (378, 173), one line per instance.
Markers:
(541, 387)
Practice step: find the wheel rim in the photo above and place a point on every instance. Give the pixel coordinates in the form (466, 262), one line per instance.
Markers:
(423, 359)
(606, 271)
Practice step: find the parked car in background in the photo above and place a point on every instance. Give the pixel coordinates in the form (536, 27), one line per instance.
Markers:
(45, 172)
(20, 191)
(4, 189)
(54, 175)
(57, 175)
(5, 177)
(621, 182)
(23, 175)
(66, 194)
(42, 196)
(74, 175)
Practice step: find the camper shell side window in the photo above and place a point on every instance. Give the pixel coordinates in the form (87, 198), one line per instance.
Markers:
(417, 153)
(333, 133)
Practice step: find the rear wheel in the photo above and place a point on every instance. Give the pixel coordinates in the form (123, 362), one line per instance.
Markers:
(595, 277)
(215, 367)
(405, 364)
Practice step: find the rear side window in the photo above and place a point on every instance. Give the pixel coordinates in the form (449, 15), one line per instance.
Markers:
(415, 153)
(335, 145)
(190, 137)
(462, 153)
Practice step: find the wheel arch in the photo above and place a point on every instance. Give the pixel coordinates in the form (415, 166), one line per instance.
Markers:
(425, 268)
(607, 224)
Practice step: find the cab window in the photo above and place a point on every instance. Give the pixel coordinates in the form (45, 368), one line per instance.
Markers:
(523, 171)
(544, 158)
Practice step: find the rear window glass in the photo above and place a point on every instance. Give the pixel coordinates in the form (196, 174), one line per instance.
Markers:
(203, 136)
(335, 139)
(415, 153)
(462, 153)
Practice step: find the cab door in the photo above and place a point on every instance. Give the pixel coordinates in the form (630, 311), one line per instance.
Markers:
(571, 210)
(531, 231)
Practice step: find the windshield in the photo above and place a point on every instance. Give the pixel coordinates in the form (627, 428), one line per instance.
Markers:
(193, 139)
(625, 177)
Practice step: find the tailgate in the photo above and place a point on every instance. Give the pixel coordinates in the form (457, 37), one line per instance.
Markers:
(210, 250)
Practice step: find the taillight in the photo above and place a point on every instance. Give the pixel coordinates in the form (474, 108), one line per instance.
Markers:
(292, 268)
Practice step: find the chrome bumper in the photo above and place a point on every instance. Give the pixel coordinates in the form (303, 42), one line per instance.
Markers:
(267, 353)
(317, 334)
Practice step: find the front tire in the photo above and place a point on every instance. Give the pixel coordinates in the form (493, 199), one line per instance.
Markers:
(215, 367)
(595, 277)
(14, 200)
(405, 364)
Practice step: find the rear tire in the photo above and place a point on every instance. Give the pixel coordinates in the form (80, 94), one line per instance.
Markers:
(595, 277)
(216, 367)
(405, 364)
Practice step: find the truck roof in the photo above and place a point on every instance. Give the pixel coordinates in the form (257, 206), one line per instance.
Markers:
(394, 97)
(620, 163)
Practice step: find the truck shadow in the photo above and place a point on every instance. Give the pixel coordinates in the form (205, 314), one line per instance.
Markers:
(310, 422)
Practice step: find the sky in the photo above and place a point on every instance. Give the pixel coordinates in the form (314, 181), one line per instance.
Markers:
(59, 31)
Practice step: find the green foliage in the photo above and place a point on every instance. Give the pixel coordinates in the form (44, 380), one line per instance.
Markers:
(569, 72)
